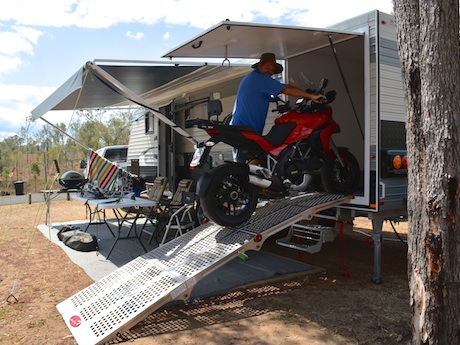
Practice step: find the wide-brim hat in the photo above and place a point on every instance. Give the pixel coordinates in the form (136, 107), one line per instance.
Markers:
(269, 57)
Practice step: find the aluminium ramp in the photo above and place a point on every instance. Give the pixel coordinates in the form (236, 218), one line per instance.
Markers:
(125, 297)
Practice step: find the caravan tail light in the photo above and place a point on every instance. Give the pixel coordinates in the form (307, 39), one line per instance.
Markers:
(404, 162)
(393, 162)
(397, 162)
(400, 162)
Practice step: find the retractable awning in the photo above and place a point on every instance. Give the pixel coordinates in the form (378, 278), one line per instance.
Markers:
(85, 89)
(100, 85)
(248, 40)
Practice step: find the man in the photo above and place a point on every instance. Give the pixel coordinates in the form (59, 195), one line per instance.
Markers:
(255, 90)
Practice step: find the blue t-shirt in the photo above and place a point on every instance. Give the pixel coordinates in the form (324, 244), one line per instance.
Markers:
(253, 99)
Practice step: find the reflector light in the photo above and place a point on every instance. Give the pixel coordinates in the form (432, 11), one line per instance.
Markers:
(404, 162)
(394, 162)
(397, 162)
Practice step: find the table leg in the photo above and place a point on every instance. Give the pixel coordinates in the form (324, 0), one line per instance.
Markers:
(120, 220)
(96, 213)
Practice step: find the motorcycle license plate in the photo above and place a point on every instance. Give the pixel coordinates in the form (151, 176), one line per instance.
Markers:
(197, 157)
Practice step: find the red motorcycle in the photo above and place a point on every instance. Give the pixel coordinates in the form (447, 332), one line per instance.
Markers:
(297, 154)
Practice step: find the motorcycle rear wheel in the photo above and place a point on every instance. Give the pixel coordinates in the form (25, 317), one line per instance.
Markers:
(338, 179)
(230, 199)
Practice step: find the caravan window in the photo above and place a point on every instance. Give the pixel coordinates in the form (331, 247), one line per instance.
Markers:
(116, 155)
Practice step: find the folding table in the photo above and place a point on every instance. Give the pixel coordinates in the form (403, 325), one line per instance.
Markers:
(117, 205)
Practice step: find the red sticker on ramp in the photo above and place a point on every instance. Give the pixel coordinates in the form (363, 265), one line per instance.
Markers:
(75, 321)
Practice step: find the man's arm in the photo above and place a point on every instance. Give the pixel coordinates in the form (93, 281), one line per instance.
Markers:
(296, 92)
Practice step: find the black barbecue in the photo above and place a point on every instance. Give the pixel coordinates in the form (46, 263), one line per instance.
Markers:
(72, 180)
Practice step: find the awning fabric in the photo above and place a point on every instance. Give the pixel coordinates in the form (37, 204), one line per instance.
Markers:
(85, 89)
(96, 86)
(70, 87)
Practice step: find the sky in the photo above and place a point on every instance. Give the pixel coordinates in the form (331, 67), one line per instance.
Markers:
(44, 42)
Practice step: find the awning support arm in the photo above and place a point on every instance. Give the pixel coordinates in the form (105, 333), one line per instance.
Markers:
(63, 132)
(122, 90)
(334, 52)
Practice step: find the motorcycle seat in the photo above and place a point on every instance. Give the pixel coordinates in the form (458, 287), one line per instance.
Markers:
(279, 132)
(243, 128)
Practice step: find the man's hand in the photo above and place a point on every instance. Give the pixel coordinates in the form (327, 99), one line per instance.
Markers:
(318, 99)
(296, 92)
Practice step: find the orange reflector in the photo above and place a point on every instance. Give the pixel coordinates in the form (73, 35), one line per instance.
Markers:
(397, 162)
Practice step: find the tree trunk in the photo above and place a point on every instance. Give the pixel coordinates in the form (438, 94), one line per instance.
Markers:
(429, 49)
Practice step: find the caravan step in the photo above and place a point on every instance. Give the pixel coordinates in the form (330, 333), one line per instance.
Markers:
(307, 237)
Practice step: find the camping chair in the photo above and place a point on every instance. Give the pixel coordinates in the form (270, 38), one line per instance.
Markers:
(185, 185)
(156, 189)
(181, 220)
(153, 192)
(169, 206)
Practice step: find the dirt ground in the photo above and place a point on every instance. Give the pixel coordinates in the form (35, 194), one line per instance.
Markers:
(339, 305)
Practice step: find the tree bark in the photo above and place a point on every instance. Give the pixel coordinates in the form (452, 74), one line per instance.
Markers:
(428, 43)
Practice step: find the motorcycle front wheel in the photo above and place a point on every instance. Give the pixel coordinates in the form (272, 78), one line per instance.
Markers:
(230, 199)
(339, 179)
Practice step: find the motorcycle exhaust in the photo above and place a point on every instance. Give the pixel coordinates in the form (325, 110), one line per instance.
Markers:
(259, 171)
(300, 187)
(259, 182)
(274, 184)
(263, 178)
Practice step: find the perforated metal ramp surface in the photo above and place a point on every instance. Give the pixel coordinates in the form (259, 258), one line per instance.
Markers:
(125, 297)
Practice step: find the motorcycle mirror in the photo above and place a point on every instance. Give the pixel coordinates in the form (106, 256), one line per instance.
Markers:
(323, 83)
(330, 95)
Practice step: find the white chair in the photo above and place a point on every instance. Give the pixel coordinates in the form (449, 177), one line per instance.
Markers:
(181, 220)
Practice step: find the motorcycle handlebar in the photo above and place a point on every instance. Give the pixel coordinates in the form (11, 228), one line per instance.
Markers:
(305, 105)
